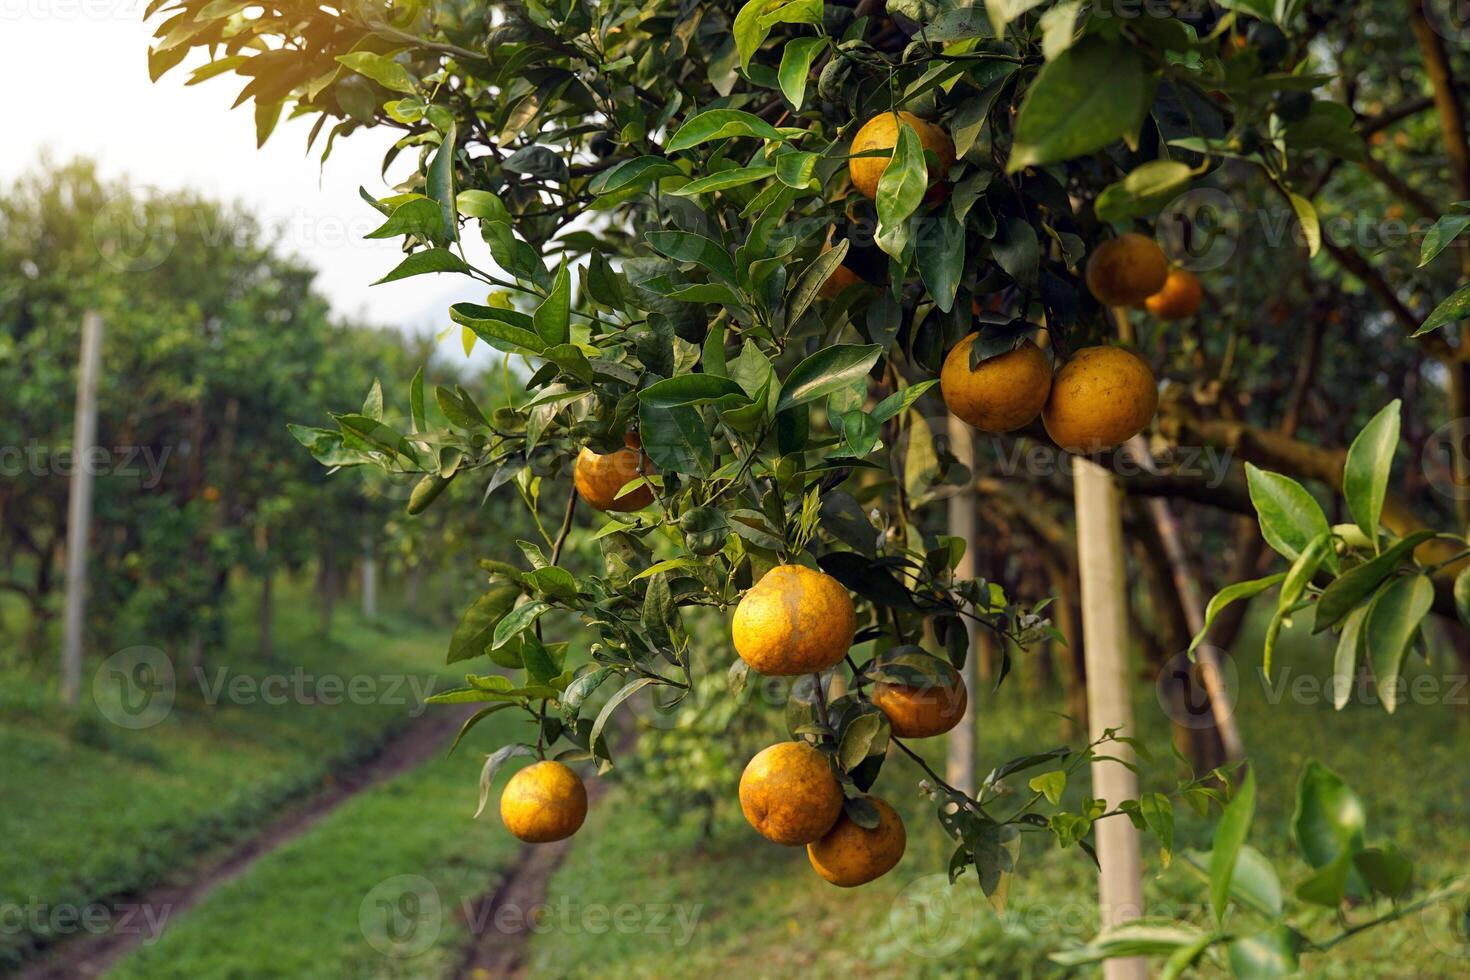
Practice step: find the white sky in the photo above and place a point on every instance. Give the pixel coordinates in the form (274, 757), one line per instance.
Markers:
(77, 77)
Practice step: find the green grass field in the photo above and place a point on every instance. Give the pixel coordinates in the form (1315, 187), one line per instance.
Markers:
(382, 887)
(759, 911)
(93, 810)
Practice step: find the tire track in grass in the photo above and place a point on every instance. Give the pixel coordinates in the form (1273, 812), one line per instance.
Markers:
(89, 955)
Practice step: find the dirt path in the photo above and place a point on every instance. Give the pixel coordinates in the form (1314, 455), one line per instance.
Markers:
(499, 950)
(88, 955)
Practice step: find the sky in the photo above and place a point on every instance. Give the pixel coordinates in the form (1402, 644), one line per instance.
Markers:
(77, 75)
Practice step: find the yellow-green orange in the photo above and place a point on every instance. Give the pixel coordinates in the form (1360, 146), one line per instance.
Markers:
(600, 477)
(1002, 393)
(1101, 398)
(788, 793)
(543, 802)
(794, 621)
(1126, 270)
(850, 855)
(921, 711)
(881, 133)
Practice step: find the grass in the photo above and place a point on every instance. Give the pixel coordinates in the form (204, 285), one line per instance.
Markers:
(93, 810)
(381, 888)
(759, 911)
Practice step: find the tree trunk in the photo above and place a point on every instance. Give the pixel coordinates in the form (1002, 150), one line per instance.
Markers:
(369, 579)
(267, 594)
(79, 508)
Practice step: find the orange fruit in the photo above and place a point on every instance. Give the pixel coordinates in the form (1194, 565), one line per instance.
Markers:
(849, 855)
(600, 477)
(1003, 393)
(1126, 270)
(881, 133)
(788, 793)
(1179, 299)
(543, 802)
(794, 621)
(1101, 398)
(922, 711)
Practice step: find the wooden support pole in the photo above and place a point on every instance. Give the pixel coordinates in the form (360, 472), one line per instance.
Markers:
(79, 507)
(1109, 696)
(959, 767)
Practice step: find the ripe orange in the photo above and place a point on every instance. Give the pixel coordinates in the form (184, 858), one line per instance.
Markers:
(1179, 299)
(1101, 398)
(794, 621)
(881, 133)
(543, 802)
(922, 711)
(1126, 270)
(1003, 393)
(849, 855)
(599, 478)
(788, 793)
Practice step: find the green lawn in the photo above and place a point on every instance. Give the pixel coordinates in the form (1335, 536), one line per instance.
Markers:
(92, 809)
(379, 888)
(759, 911)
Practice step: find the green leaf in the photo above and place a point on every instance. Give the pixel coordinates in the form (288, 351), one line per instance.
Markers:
(1132, 939)
(1292, 589)
(1265, 955)
(725, 179)
(901, 400)
(1234, 593)
(1306, 216)
(901, 190)
(1441, 236)
(1329, 818)
(827, 371)
(440, 182)
(1369, 461)
(715, 124)
(624, 693)
(689, 389)
(860, 737)
(1050, 785)
(417, 216)
(385, 71)
(685, 246)
(1018, 251)
(518, 619)
(1158, 816)
(1452, 310)
(1462, 596)
(1345, 658)
(1393, 620)
(1144, 191)
(940, 253)
(553, 316)
(1357, 583)
(428, 260)
(481, 204)
(812, 278)
(1290, 516)
(796, 67)
(1385, 870)
(754, 22)
(476, 629)
(475, 719)
(1230, 835)
(506, 330)
(1093, 93)
(631, 173)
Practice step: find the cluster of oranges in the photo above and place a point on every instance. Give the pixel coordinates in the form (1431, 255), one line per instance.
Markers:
(797, 620)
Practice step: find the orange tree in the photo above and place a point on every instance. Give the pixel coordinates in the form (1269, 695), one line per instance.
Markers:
(735, 247)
